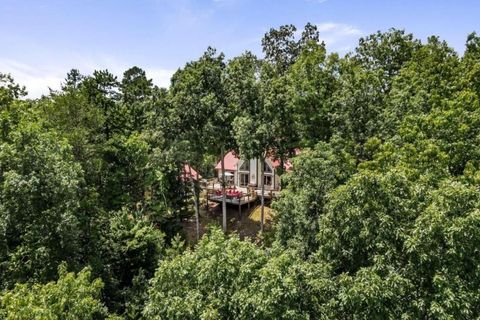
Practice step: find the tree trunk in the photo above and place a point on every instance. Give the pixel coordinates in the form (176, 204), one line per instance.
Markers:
(262, 198)
(197, 209)
(224, 195)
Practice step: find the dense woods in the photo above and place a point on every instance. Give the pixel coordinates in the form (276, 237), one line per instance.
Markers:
(378, 219)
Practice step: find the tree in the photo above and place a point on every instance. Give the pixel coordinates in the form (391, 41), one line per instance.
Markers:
(312, 83)
(137, 93)
(443, 259)
(200, 112)
(131, 248)
(126, 177)
(226, 278)
(361, 107)
(135, 86)
(431, 76)
(252, 127)
(386, 52)
(357, 107)
(70, 108)
(72, 296)
(40, 199)
(366, 218)
(9, 90)
(11, 109)
(315, 174)
(101, 91)
(282, 49)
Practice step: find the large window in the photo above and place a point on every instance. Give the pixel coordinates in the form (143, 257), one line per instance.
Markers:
(244, 179)
(267, 180)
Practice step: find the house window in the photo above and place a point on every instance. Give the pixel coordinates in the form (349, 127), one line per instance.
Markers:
(266, 168)
(244, 179)
(245, 166)
(267, 180)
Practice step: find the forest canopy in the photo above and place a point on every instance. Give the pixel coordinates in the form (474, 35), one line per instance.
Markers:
(379, 217)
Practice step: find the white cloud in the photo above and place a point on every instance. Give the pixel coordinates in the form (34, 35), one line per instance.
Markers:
(161, 77)
(38, 79)
(339, 27)
(339, 37)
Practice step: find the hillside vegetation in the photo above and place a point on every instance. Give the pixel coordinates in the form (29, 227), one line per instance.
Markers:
(378, 219)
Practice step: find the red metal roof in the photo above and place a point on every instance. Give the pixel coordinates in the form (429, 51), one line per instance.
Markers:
(287, 164)
(230, 162)
(186, 173)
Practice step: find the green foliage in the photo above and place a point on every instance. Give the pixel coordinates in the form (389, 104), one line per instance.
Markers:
(100, 91)
(72, 296)
(202, 283)
(443, 256)
(137, 94)
(357, 106)
(365, 219)
(226, 278)
(9, 90)
(11, 109)
(39, 210)
(316, 173)
(281, 47)
(200, 113)
(131, 248)
(379, 217)
(135, 86)
(313, 84)
(386, 52)
(125, 181)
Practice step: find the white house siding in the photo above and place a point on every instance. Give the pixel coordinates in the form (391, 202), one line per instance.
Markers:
(254, 174)
(253, 170)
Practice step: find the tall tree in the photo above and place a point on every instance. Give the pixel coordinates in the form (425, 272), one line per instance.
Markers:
(11, 109)
(282, 48)
(200, 112)
(135, 85)
(137, 90)
(9, 90)
(312, 84)
(316, 173)
(40, 188)
(101, 90)
(252, 126)
(386, 52)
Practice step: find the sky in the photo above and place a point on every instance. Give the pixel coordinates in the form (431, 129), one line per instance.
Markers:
(41, 40)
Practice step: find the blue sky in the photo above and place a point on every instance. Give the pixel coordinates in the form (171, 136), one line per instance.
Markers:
(42, 39)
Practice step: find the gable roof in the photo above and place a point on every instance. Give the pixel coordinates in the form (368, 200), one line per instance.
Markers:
(186, 173)
(287, 164)
(230, 162)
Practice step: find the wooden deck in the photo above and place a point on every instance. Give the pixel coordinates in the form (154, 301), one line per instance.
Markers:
(254, 192)
(237, 201)
(246, 199)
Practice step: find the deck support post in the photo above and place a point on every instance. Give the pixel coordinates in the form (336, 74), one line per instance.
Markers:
(207, 201)
(224, 195)
(262, 200)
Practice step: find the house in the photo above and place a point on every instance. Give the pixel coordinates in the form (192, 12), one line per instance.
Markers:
(246, 173)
